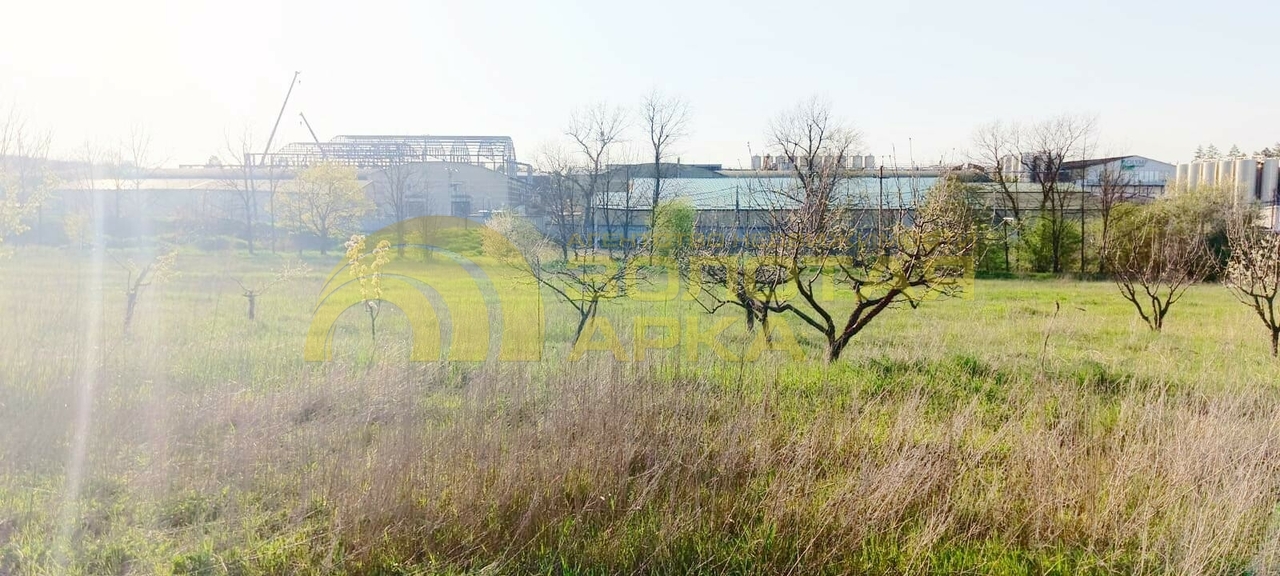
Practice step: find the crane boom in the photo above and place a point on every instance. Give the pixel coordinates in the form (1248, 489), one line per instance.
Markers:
(323, 154)
(292, 83)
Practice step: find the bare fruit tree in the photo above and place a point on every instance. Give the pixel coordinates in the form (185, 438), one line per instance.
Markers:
(584, 283)
(140, 277)
(1253, 272)
(845, 263)
(252, 290)
(1155, 259)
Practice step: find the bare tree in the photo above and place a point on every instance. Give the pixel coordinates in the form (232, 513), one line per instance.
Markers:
(595, 130)
(251, 290)
(584, 283)
(398, 187)
(129, 164)
(1253, 271)
(993, 144)
(1047, 146)
(559, 197)
(140, 277)
(1039, 151)
(1115, 188)
(1155, 259)
(823, 241)
(238, 175)
(666, 121)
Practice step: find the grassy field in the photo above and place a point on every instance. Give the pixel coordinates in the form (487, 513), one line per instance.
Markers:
(1035, 428)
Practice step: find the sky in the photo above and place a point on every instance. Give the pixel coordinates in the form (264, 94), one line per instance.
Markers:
(915, 77)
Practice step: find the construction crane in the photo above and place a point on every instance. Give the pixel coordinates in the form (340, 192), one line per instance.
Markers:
(267, 149)
(324, 155)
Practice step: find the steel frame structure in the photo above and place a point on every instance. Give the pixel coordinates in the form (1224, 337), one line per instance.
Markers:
(497, 153)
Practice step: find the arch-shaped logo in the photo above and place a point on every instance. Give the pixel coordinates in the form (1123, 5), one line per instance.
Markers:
(468, 288)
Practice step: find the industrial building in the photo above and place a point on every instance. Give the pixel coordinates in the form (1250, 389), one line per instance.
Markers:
(468, 176)
(1144, 176)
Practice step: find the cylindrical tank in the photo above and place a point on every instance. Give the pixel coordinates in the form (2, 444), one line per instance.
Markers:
(870, 162)
(1270, 179)
(1180, 177)
(858, 162)
(1226, 173)
(1246, 179)
(1208, 173)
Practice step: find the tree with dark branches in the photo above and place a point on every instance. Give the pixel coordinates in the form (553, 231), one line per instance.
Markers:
(835, 259)
(595, 131)
(1157, 255)
(1253, 271)
(665, 120)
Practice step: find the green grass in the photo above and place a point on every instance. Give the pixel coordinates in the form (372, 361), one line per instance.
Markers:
(1036, 427)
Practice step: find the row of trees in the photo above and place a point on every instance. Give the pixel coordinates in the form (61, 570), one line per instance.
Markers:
(1037, 190)
(1212, 153)
(1163, 248)
(829, 262)
(593, 169)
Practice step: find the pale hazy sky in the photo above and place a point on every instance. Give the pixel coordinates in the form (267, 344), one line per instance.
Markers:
(912, 74)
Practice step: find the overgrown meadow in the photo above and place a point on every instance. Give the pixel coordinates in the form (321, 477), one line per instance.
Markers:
(1037, 427)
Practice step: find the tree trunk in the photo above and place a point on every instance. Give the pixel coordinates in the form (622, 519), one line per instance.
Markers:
(835, 348)
(128, 310)
(1275, 343)
(253, 300)
(272, 202)
(248, 228)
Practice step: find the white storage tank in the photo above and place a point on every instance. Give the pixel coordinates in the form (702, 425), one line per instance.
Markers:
(870, 162)
(1246, 179)
(1006, 165)
(858, 162)
(1180, 177)
(1226, 170)
(1270, 179)
(1208, 173)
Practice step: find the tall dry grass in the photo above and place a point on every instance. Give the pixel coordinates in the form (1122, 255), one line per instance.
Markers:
(935, 448)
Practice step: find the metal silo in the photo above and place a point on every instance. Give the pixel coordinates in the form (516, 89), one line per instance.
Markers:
(859, 162)
(1226, 173)
(1180, 176)
(870, 162)
(1270, 179)
(1246, 179)
(1208, 173)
